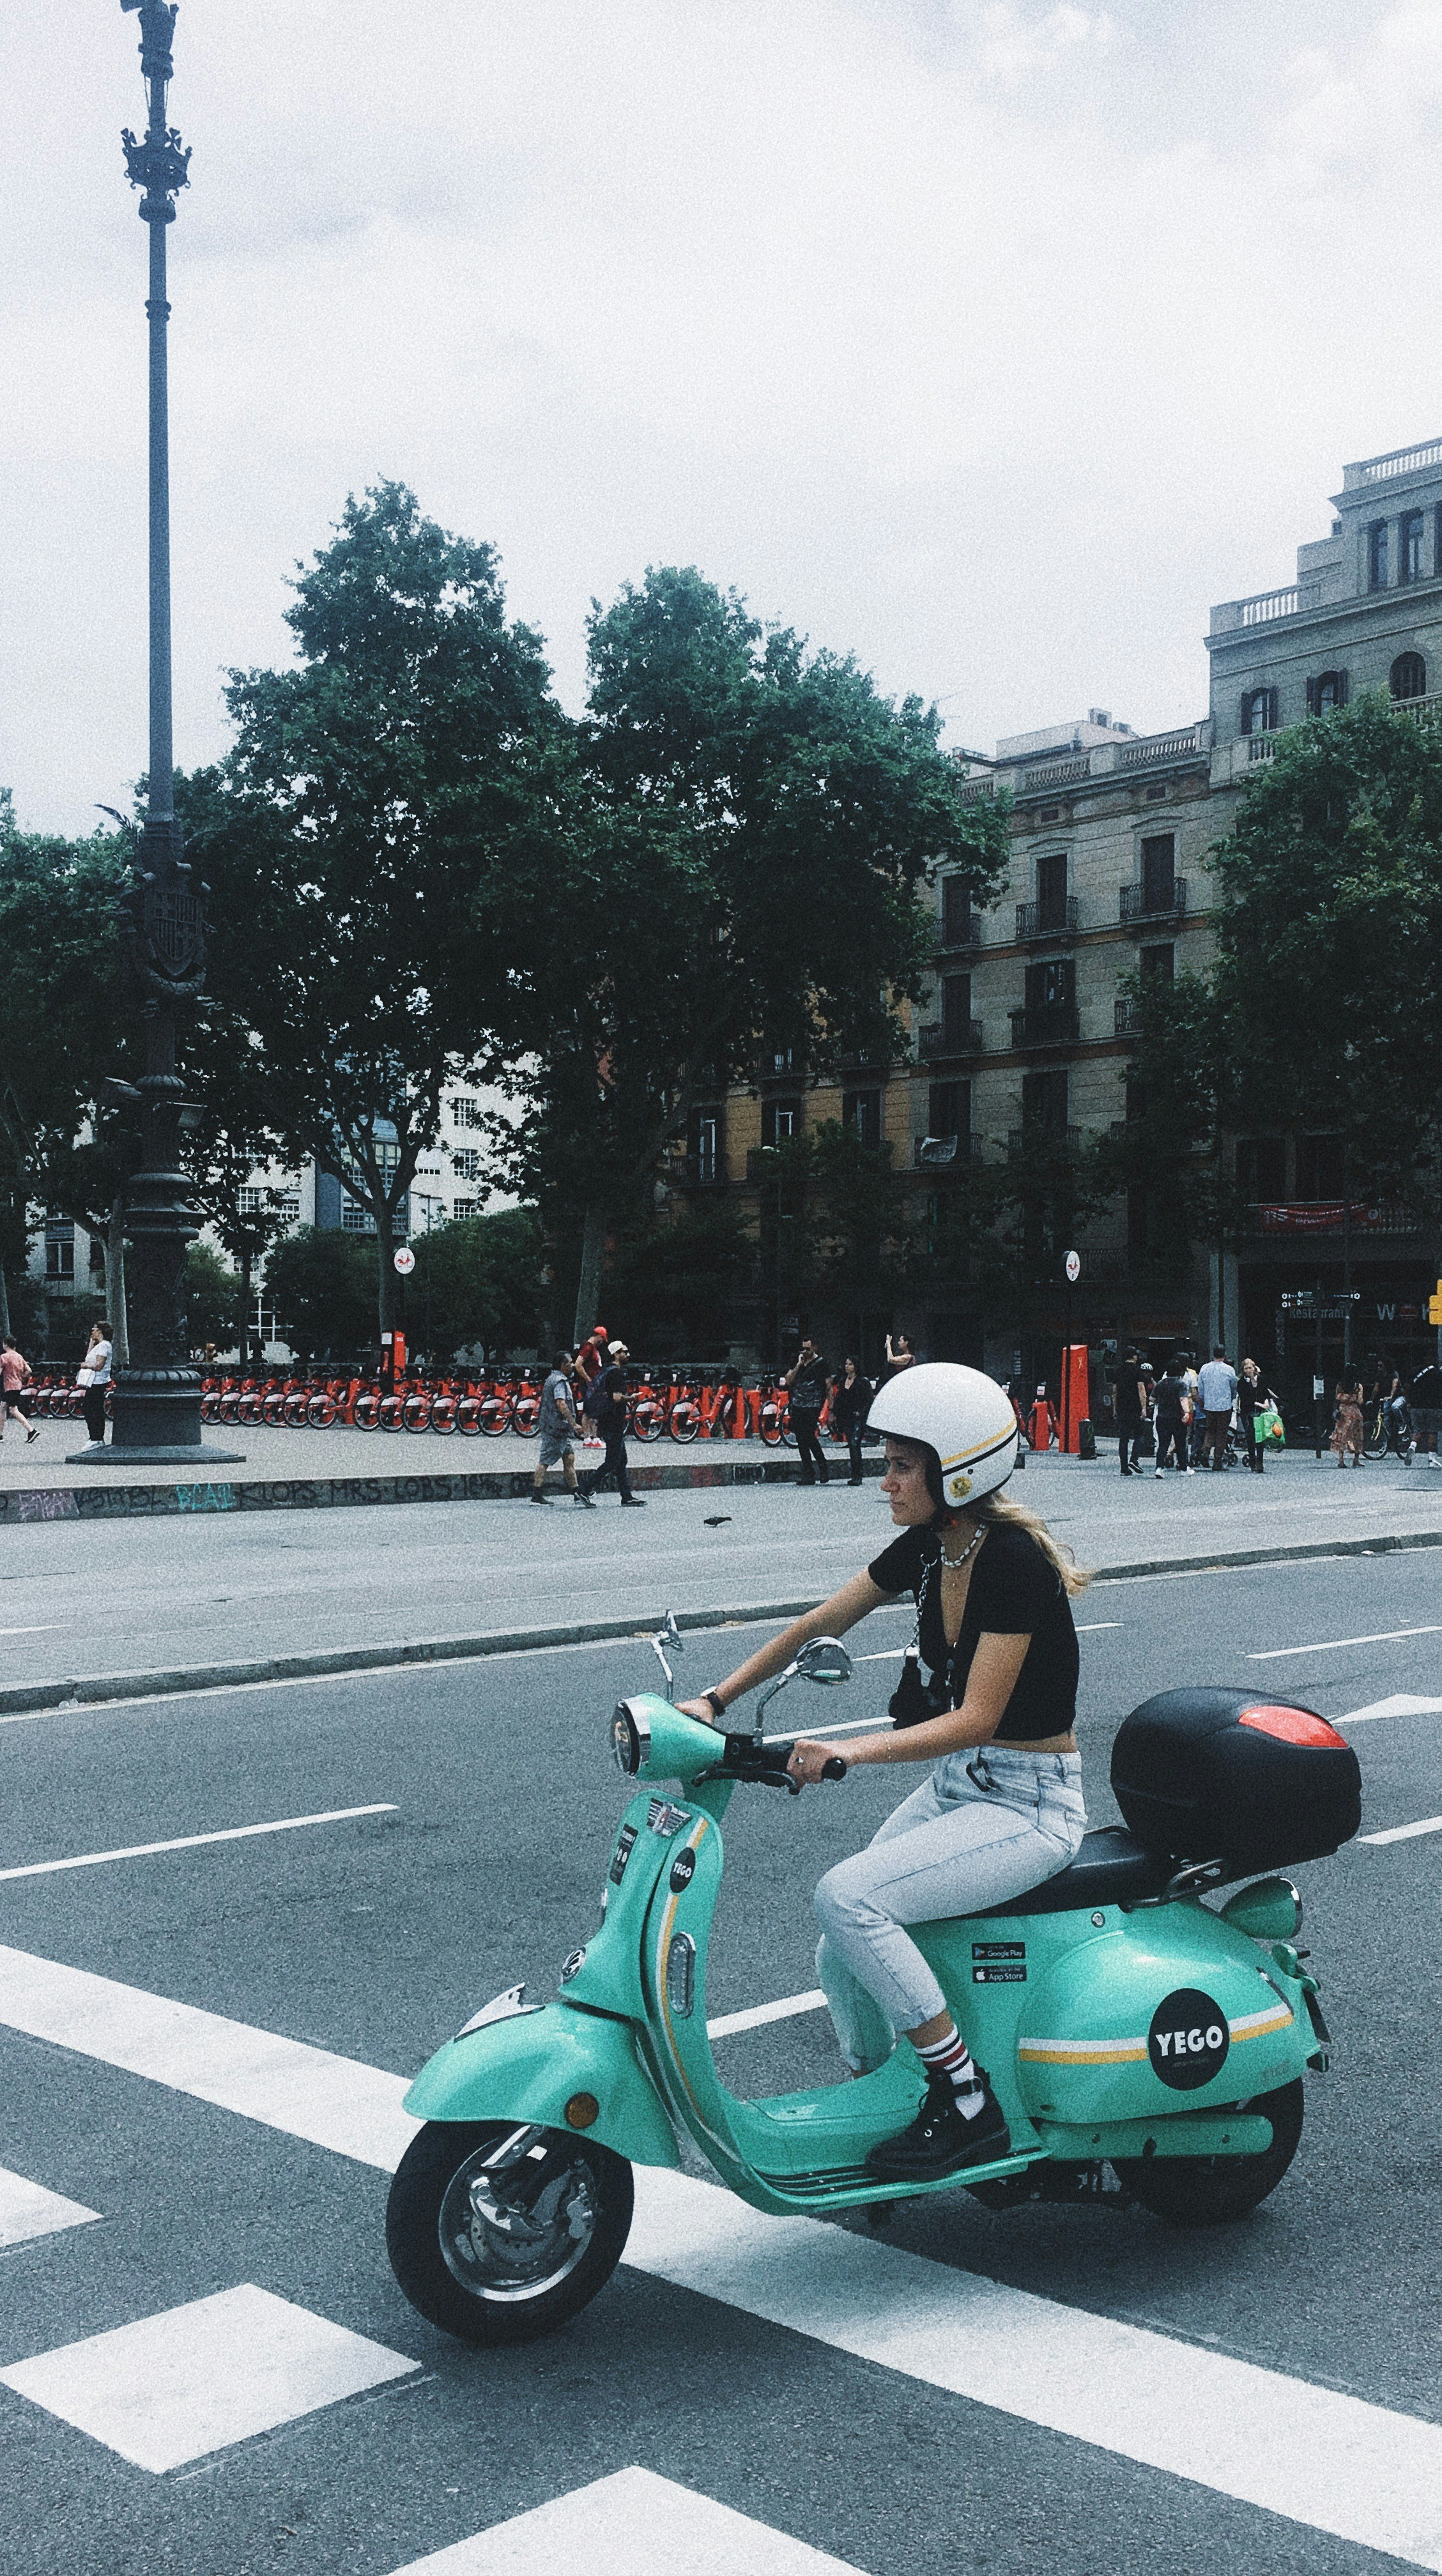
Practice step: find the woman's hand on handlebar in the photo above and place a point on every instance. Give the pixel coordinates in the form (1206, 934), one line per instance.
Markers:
(812, 1763)
(698, 1708)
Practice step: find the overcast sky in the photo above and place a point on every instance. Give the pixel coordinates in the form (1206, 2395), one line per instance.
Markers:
(990, 339)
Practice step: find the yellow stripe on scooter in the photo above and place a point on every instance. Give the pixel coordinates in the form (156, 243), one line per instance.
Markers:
(1081, 2052)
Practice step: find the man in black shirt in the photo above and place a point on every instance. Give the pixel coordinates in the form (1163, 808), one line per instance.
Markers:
(1127, 1400)
(1427, 1409)
(606, 1407)
(806, 1386)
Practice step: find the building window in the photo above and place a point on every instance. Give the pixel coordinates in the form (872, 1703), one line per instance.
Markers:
(1319, 1167)
(466, 1162)
(956, 929)
(59, 1248)
(1261, 1168)
(466, 1113)
(783, 1060)
(1259, 711)
(704, 1148)
(1045, 1098)
(355, 1219)
(1377, 555)
(1409, 546)
(1159, 964)
(955, 1009)
(253, 1201)
(1159, 871)
(780, 1121)
(1051, 891)
(464, 1208)
(948, 1109)
(1408, 676)
(1327, 691)
(861, 1111)
(1051, 986)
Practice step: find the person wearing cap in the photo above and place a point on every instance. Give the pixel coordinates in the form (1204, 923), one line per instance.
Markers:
(1001, 1809)
(606, 1406)
(589, 1361)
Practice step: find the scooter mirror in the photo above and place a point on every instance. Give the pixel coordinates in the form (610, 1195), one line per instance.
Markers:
(668, 1636)
(825, 1659)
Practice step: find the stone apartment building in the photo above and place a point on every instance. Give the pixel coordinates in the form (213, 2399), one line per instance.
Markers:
(1026, 1031)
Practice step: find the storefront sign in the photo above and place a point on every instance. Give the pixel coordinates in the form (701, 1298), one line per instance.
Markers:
(1326, 1216)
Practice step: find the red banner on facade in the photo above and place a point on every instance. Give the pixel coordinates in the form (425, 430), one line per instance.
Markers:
(1322, 1216)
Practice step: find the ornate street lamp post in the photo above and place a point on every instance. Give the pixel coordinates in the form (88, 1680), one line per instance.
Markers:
(157, 1398)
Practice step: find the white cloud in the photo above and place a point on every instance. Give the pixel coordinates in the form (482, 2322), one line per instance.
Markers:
(1015, 43)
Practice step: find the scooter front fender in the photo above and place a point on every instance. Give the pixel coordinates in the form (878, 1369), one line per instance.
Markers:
(529, 2066)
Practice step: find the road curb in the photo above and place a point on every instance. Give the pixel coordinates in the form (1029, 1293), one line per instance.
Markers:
(331, 1493)
(88, 1690)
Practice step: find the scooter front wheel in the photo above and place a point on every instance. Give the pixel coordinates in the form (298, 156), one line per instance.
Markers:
(496, 2243)
(1206, 2191)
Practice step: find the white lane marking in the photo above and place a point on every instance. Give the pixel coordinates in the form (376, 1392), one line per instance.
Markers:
(287, 2084)
(27, 2209)
(1401, 1704)
(756, 2014)
(1359, 2471)
(1092, 1625)
(48, 1628)
(1333, 1645)
(193, 1842)
(1362, 2472)
(197, 2378)
(632, 2524)
(1404, 1833)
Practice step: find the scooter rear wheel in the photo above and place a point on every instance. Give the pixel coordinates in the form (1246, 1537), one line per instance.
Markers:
(1206, 2191)
(499, 2250)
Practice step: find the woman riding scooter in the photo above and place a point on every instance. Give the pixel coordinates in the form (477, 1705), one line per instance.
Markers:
(1002, 1809)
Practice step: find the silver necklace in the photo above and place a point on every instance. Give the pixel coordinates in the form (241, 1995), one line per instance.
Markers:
(955, 1561)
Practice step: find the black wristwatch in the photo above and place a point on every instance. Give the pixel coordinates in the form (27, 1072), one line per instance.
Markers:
(714, 1704)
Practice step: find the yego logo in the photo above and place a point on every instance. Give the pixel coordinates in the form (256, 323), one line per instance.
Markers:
(1188, 2040)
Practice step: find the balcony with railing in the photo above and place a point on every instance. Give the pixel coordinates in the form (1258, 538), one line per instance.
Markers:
(960, 931)
(1400, 460)
(1264, 607)
(1048, 1024)
(1044, 1140)
(948, 1038)
(944, 1153)
(1142, 904)
(1048, 920)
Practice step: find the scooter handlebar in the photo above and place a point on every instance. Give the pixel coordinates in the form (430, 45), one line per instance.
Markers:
(764, 1766)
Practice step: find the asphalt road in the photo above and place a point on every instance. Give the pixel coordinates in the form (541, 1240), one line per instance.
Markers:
(374, 1937)
(126, 1595)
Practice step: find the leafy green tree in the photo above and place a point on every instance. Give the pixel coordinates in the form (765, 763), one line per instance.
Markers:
(478, 1281)
(740, 874)
(212, 1299)
(322, 1285)
(672, 1284)
(362, 838)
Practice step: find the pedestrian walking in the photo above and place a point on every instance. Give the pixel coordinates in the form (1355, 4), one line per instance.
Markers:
(1172, 1408)
(850, 1404)
(1217, 1388)
(1347, 1421)
(1129, 1405)
(806, 1384)
(1427, 1409)
(606, 1408)
(1253, 1397)
(557, 1427)
(14, 1402)
(94, 1375)
(589, 1361)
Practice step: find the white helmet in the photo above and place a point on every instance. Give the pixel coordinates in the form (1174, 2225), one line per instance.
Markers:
(961, 1414)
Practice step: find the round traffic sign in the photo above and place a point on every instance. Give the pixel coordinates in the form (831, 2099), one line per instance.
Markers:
(1073, 1267)
(404, 1259)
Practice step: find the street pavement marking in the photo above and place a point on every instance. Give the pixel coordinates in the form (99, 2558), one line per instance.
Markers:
(193, 1842)
(1333, 1645)
(27, 2209)
(47, 1628)
(1092, 1625)
(1365, 2473)
(1362, 2472)
(1401, 1704)
(194, 2379)
(286, 2084)
(632, 2524)
(756, 2014)
(1404, 1833)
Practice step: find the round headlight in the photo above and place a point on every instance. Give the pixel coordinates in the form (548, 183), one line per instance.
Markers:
(630, 1739)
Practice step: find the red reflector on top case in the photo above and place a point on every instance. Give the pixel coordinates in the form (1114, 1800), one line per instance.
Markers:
(1294, 1726)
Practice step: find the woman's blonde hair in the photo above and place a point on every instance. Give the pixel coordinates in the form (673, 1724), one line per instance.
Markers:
(994, 1508)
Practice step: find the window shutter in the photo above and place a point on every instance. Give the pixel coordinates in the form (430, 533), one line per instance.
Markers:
(1341, 688)
(1311, 697)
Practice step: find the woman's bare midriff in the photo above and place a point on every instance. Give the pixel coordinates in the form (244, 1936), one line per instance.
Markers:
(1034, 1744)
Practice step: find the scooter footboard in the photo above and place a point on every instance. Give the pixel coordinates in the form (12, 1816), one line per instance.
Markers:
(551, 2067)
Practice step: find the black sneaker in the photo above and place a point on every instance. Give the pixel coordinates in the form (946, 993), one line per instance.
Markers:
(537, 1496)
(941, 2139)
(632, 1503)
(586, 1501)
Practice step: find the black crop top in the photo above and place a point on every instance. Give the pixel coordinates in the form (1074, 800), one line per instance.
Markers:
(1014, 1591)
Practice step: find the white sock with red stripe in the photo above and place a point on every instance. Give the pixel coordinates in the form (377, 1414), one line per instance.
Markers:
(950, 2061)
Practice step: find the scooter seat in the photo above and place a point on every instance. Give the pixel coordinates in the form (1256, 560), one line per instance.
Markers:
(1112, 1868)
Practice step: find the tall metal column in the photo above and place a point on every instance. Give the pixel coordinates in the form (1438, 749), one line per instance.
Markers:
(157, 1398)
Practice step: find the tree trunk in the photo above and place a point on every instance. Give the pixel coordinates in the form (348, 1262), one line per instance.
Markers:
(588, 1286)
(4, 1301)
(385, 1267)
(245, 1258)
(115, 1306)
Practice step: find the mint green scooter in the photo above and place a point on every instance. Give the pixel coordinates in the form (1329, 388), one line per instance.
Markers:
(1142, 2045)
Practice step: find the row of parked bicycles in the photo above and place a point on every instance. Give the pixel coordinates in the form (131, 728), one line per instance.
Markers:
(696, 1406)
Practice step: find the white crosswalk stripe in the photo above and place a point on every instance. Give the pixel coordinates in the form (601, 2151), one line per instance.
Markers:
(1364, 2473)
(632, 2524)
(197, 2378)
(27, 2209)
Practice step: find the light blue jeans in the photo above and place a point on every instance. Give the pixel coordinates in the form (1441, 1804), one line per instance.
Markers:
(983, 1827)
